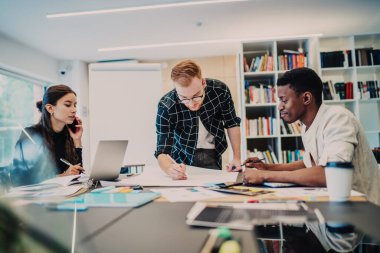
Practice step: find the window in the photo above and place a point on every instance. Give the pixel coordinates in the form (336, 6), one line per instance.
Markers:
(18, 96)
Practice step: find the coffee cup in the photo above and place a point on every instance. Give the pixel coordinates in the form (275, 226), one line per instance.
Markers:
(339, 180)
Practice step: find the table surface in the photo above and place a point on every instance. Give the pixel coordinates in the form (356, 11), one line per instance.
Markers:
(161, 227)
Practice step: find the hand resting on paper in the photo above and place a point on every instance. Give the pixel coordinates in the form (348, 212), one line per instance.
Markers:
(253, 176)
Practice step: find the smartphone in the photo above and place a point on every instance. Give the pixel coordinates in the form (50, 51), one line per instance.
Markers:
(72, 126)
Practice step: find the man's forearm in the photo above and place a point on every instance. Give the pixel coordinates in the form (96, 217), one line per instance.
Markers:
(314, 176)
(235, 139)
(164, 162)
(287, 166)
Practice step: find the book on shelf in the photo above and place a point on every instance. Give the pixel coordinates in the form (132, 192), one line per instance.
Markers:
(289, 156)
(336, 59)
(337, 91)
(261, 126)
(258, 92)
(245, 64)
(367, 56)
(291, 61)
(259, 63)
(293, 128)
(269, 156)
(369, 89)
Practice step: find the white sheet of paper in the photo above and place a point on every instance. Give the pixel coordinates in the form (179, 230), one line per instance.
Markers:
(306, 192)
(63, 181)
(154, 176)
(187, 194)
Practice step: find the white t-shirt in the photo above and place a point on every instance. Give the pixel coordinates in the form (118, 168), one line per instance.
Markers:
(336, 135)
(205, 139)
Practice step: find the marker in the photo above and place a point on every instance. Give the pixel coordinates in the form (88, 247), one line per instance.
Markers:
(174, 162)
(69, 164)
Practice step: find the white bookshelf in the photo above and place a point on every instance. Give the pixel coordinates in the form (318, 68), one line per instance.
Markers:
(367, 110)
(277, 140)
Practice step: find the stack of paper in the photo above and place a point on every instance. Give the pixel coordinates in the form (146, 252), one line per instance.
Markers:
(154, 176)
(54, 187)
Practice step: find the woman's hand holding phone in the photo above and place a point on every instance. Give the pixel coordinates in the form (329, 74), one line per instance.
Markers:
(77, 134)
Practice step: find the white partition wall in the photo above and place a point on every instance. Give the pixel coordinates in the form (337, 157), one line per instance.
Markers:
(123, 105)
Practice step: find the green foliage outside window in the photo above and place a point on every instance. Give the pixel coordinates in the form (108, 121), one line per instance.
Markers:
(17, 108)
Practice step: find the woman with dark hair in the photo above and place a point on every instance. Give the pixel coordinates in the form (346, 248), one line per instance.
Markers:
(42, 147)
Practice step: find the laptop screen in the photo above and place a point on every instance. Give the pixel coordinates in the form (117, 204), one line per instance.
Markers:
(108, 160)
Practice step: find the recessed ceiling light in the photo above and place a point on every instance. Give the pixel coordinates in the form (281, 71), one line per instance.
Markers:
(203, 42)
(139, 8)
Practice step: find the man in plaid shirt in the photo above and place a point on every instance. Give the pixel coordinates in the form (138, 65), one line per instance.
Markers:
(191, 120)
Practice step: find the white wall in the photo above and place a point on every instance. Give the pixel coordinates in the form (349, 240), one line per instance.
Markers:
(22, 59)
(123, 106)
(77, 78)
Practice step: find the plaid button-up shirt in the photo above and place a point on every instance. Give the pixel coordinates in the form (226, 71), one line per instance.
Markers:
(177, 126)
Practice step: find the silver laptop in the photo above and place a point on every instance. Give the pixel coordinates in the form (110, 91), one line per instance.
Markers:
(108, 160)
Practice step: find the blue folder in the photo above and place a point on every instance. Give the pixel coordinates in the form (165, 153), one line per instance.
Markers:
(116, 199)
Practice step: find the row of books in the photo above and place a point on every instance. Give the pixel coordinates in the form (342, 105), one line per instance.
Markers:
(338, 91)
(293, 128)
(262, 126)
(289, 156)
(336, 59)
(369, 89)
(291, 61)
(260, 94)
(259, 63)
(268, 155)
(367, 56)
(343, 58)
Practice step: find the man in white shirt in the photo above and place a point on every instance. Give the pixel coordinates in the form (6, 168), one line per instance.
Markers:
(329, 133)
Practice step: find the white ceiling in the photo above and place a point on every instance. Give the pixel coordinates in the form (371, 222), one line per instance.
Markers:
(79, 38)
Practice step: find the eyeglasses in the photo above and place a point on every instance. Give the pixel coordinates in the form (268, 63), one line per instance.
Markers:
(195, 99)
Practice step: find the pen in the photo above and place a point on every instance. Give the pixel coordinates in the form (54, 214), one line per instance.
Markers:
(65, 162)
(68, 163)
(174, 162)
(234, 167)
(256, 161)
